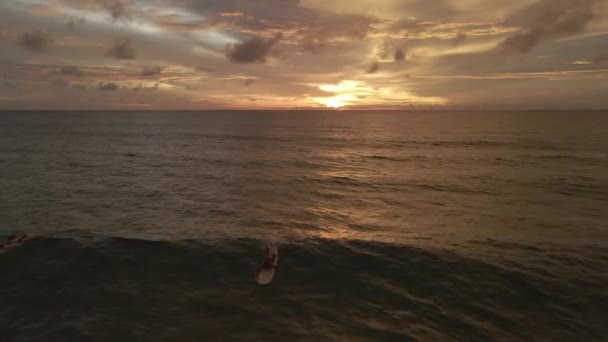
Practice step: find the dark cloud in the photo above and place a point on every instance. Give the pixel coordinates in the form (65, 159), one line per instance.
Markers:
(151, 71)
(521, 42)
(36, 41)
(373, 68)
(546, 20)
(74, 21)
(118, 9)
(122, 50)
(253, 50)
(399, 55)
(142, 87)
(71, 70)
(107, 86)
(311, 44)
(459, 38)
(59, 82)
(248, 82)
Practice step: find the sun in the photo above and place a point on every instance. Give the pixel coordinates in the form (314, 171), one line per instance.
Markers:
(336, 102)
(333, 103)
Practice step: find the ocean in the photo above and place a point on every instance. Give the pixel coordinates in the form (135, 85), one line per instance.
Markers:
(405, 226)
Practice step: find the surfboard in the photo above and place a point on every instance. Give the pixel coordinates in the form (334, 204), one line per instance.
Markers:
(265, 275)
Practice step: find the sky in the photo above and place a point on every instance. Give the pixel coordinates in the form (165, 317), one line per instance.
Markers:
(303, 54)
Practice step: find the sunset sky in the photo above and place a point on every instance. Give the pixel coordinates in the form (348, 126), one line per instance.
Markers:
(260, 54)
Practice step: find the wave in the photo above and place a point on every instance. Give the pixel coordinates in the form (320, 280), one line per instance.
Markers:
(471, 143)
(250, 138)
(337, 180)
(577, 187)
(129, 155)
(452, 188)
(119, 288)
(573, 158)
(397, 159)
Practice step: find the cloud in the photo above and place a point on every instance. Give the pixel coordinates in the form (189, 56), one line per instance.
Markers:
(71, 70)
(107, 86)
(521, 42)
(122, 50)
(179, 38)
(382, 50)
(184, 23)
(458, 39)
(308, 28)
(142, 87)
(415, 28)
(38, 9)
(373, 68)
(60, 82)
(399, 55)
(74, 21)
(117, 9)
(581, 63)
(601, 58)
(151, 71)
(253, 50)
(79, 86)
(36, 41)
(311, 44)
(313, 32)
(546, 20)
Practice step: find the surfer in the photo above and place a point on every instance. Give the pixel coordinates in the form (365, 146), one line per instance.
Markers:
(268, 268)
(269, 260)
(14, 239)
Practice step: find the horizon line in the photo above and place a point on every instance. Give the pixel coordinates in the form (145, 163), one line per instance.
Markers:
(425, 109)
(314, 110)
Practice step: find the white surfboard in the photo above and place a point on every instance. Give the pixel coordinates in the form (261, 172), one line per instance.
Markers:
(265, 275)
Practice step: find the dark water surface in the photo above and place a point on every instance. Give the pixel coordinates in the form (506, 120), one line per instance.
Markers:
(391, 225)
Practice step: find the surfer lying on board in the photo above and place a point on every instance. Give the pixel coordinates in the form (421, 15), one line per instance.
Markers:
(269, 261)
(14, 239)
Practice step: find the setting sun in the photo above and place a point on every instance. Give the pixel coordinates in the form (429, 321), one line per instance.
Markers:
(337, 101)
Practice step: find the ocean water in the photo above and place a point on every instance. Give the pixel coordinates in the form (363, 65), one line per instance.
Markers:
(149, 226)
